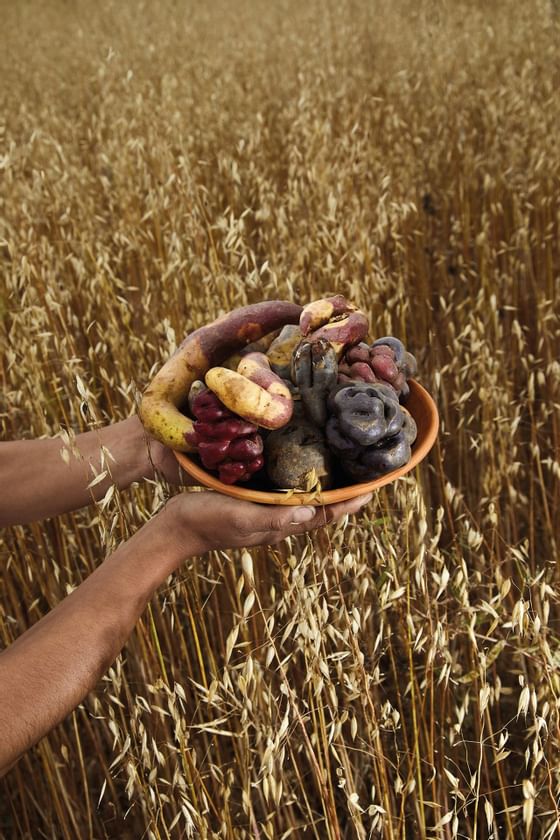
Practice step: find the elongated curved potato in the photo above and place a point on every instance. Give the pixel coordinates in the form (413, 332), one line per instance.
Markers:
(200, 351)
(253, 391)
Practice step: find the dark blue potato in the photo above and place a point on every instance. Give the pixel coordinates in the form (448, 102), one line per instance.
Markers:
(366, 413)
(339, 442)
(315, 371)
(410, 430)
(389, 454)
(369, 432)
(377, 460)
(393, 452)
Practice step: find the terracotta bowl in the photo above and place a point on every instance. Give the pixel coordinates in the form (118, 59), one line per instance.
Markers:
(424, 411)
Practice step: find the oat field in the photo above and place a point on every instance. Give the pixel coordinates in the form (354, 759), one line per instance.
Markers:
(395, 677)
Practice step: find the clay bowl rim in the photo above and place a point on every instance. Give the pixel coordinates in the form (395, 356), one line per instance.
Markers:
(326, 497)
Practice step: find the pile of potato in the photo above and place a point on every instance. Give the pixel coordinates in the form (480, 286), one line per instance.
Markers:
(292, 395)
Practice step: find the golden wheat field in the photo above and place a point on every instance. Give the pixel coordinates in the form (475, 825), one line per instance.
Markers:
(397, 676)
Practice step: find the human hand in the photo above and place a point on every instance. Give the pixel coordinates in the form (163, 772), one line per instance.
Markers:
(166, 464)
(208, 521)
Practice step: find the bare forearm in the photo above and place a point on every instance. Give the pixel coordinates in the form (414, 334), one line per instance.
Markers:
(51, 667)
(48, 670)
(45, 478)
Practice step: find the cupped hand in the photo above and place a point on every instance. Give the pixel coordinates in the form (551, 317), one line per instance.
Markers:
(208, 521)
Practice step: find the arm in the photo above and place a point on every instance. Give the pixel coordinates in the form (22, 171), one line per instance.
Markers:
(46, 478)
(47, 671)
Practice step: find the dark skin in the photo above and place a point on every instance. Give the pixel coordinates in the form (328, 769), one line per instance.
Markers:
(49, 670)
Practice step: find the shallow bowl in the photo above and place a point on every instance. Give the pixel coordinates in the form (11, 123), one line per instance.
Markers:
(423, 410)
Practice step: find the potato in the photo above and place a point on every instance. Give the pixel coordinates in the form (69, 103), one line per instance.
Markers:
(253, 392)
(291, 453)
(208, 346)
(281, 350)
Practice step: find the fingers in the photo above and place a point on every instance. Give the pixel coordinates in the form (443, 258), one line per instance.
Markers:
(209, 520)
(352, 506)
(279, 522)
(305, 519)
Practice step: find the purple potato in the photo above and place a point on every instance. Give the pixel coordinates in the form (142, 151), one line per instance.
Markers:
(366, 412)
(369, 432)
(315, 372)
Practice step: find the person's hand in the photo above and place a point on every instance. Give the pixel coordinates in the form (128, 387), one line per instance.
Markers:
(165, 464)
(208, 521)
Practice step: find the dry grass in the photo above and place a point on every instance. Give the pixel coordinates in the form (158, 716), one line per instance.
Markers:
(397, 677)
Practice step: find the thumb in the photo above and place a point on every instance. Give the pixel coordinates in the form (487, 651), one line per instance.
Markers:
(302, 514)
(284, 517)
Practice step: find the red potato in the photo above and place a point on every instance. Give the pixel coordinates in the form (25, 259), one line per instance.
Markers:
(343, 332)
(319, 312)
(231, 446)
(246, 448)
(358, 353)
(233, 471)
(200, 351)
(361, 370)
(253, 392)
(335, 320)
(222, 429)
(213, 452)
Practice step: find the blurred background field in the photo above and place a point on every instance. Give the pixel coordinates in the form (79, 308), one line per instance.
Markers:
(161, 163)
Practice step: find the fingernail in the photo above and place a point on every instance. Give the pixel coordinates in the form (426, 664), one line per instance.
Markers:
(303, 514)
(366, 499)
